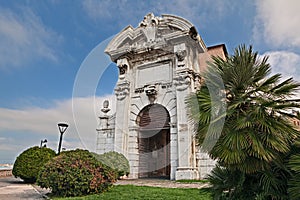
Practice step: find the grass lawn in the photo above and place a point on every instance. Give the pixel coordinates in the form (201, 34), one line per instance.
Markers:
(122, 192)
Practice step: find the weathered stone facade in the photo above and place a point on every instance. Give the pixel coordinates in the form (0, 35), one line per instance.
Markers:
(160, 64)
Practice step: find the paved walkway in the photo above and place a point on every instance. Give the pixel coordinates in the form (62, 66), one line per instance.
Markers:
(15, 189)
(161, 183)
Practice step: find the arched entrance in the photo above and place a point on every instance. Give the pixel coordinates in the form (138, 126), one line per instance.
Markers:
(154, 142)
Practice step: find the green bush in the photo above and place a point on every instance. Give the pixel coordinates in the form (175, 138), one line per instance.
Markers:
(29, 163)
(115, 160)
(76, 173)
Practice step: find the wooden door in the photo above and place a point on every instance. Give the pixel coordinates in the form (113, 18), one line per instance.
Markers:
(154, 141)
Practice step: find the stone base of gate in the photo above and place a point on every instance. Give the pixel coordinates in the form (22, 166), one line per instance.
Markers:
(186, 173)
(134, 175)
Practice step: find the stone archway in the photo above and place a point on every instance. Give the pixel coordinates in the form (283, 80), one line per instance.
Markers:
(154, 142)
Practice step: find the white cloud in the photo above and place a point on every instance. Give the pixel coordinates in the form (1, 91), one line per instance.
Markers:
(80, 113)
(285, 63)
(126, 12)
(277, 23)
(23, 38)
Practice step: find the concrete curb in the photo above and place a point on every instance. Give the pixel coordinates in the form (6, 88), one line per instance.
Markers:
(41, 191)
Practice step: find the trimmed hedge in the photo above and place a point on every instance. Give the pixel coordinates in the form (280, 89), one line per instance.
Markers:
(115, 160)
(76, 173)
(29, 163)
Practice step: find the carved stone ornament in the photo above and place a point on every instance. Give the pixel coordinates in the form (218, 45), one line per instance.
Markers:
(122, 90)
(149, 25)
(181, 55)
(122, 69)
(105, 108)
(149, 20)
(123, 66)
(183, 80)
(151, 92)
(197, 81)
(154, 33)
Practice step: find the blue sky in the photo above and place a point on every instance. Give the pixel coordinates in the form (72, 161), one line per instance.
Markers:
(45, 46)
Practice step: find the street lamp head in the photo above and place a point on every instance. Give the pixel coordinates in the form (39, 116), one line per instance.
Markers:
(62, 127)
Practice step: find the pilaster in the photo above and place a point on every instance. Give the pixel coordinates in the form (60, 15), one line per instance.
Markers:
(122, 116)
(133, 152)
(183, 81)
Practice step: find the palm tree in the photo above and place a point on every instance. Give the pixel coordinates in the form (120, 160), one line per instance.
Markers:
(257, 128)
(294, 166)
(243, 116)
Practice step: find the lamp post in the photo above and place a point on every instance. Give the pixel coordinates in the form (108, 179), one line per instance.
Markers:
(62, 127)
(43, 142)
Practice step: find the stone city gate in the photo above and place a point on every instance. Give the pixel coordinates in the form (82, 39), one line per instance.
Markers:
(160, 64)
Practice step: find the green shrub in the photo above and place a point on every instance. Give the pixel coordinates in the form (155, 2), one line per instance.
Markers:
(76, 173)
(29, 163)
(115, 160)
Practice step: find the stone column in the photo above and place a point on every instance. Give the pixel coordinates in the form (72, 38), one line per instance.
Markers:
(105, 133)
